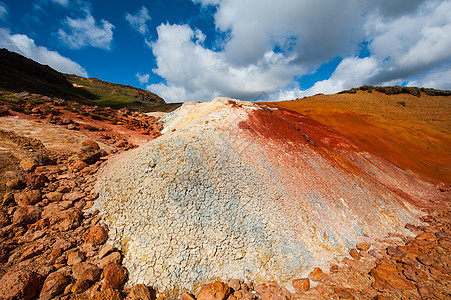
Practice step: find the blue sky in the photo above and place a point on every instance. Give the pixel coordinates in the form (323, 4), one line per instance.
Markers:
(199, 49)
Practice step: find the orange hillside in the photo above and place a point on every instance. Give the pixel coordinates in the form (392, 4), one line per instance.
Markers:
(411, 132)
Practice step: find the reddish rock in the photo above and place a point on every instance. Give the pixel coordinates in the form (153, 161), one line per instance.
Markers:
(73, 196)
(141, 292)
(35, 181)
(4, 219)
(333, 268)
(105, 249)
(54, 285)
(79, 165)
(415, 274)
(363, 246)
(389, 275)
(113, 258)
(106, 293)
(75, 257)
(28, 197)
(213, 291)
(91, 143)
(234, 284)
(114, 275)
(54, 196)
(344, 294)
(89, 155)
(67, 219)
(14, 184)
(26, 215)
(97, 235)
(80, 286)
(426, 236)
(28, 164)
(32, 251)
(301, 284)
(272, 291)
(86, 271)
(316, 274)
(355, 254)
(186, 296)
(19, 284)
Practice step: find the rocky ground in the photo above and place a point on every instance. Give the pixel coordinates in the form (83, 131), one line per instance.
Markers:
(53, 245)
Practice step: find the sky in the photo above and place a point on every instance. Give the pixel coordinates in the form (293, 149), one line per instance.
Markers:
(185, 50)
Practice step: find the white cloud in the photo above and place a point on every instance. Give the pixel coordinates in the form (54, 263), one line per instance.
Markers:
(84, 32)
(24, 45)
(438, 79)
(266, 44)
(64, 3)
(3, 10)
(139, 20)
(144, 78)
(196, 73)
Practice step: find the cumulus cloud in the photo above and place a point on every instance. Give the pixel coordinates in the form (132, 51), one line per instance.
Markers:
(139, 20)
(194, 72)
(266, 46)
(437, 78)
(3, 10)
(144, 78)
(64, 3)
(22, 44)
(83, 32)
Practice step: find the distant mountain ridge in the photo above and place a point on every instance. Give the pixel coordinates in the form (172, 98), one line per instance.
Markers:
(18, 74)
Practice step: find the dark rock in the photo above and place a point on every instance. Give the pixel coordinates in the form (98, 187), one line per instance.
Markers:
(20, 284)
(54, 285)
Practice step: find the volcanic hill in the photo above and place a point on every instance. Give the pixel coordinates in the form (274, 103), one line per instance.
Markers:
(19, 74)
(328, 197)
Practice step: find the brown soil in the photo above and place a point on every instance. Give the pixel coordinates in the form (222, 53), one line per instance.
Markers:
(402, 128)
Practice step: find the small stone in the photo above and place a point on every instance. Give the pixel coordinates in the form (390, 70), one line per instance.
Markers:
(105, 249)
(113, 258)
(79, 165)
(139, 292)
(54, 285)
(54, 196)
(213, 291)
(91, 143)
(28, 197)
(28, 164)
(106, 293)
(80, 286)
(114, 275)
(71, 127)
(388, 274)
(35, 181)
(271, 290)
(14, 184)
(89, 155)
(97, 235)
(363, 246)
(186, 296)
(73, 196)
(334, 269)
(26, 215)
(19, 284)
(394, 252)
(67, 219)
(426, 236)
(86, 271)
(75, 258)
(355, 254)
(234, 284)
(301, 284)
(316, 274)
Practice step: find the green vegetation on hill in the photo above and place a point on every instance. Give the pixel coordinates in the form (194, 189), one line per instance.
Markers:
(116, 95)
(20, 74)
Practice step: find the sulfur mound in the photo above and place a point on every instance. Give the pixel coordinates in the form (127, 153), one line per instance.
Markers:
(235, 190)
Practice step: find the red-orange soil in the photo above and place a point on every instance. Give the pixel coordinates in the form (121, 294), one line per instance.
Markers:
(411, 132)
